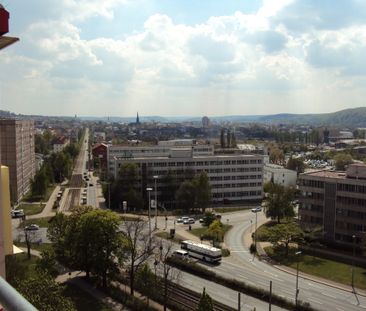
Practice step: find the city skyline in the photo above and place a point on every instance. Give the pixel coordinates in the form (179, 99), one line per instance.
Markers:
(113, 58)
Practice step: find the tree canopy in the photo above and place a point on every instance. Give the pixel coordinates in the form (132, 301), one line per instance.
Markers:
(279, 202)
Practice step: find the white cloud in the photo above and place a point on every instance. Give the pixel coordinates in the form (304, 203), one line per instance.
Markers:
(272, 55)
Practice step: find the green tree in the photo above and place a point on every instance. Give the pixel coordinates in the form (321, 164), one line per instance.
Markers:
(57, 234)
(146, 281)
(203, 191)
(281, 235)
(279, 202)
(186, 195)
(208, 218)
(39, 183)
(44, 293)
(342, 160)
(205, 303)
(216, 231)
(296, 164)
(47, 262)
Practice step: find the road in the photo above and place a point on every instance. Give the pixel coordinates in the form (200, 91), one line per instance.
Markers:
(249, 269)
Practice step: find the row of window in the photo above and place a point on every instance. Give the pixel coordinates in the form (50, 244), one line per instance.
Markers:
(218, 178)
(346, 238)
(313, 195)
(351, 188)
(350, 213)
(350, 226)
(311, 219)
(311, 183)
(351, 201)
(311, 207)
(237, 194)
(252, 184)
(203, 163)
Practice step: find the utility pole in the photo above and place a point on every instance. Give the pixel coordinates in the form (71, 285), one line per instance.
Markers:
(353, 261)
(239, 303)
(270, 296)
(156, 203)
(149, 213)
(297, 279)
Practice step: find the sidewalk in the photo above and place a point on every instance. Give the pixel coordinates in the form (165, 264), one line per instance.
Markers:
(48, 209)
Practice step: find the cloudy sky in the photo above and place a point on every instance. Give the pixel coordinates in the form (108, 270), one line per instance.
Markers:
(184, 57)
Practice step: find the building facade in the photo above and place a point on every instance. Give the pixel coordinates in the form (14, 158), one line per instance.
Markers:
(335, 201)
(233, 177)
(17, 153)
(279, 175)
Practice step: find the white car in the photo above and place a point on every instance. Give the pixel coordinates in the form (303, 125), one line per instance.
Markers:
(191, 220)
(256, 209)
(32, 227)
(179, 220)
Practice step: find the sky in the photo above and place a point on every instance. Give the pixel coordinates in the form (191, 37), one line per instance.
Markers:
(184, 57)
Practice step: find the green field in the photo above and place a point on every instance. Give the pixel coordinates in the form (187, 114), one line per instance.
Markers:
(36, 198)
(325, 268)
(229, 209)
(31, 208)
(198, 232)
(35, 246)
(42, 222)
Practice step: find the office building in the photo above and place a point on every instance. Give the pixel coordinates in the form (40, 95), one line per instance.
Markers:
(335, 201)
(17, 152)
(279, 175)
(233, 177)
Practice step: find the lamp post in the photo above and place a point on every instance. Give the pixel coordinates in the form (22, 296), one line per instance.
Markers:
(297, 279)
(353, 260)
(156, 203)
(149, 214)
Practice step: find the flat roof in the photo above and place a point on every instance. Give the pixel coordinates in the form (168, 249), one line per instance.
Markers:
(327, 174)
(198, 157)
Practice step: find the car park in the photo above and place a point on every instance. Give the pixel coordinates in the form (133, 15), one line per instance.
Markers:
(32, 227)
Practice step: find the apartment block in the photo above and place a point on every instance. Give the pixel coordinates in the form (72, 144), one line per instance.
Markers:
(17, 152)
(336, 201)
(233, 177)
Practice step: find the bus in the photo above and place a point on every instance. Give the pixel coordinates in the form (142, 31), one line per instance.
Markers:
(202, 251)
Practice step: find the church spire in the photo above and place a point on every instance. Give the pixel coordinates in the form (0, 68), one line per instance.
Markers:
(137, 119)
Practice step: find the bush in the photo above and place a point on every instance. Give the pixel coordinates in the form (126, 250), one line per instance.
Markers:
(225, 252)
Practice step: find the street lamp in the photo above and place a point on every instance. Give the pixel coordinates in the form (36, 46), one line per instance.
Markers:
(297, 279)
(149, 213)
(156, 203)
(255, 210)
(353, 260)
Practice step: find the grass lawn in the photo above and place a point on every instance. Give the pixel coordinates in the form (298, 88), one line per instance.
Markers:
(42, 222)
(202, 231)
(325, 268)
(262, 231)
(32, 209)
(35, 246)
(83, 300)
(166, 236)
(19, 266)
(37, 198)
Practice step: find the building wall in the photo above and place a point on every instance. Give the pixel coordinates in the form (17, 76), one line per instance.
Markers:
(232, 177)
(279, 175)
(6, 240)
(337, 204)
(17, 152)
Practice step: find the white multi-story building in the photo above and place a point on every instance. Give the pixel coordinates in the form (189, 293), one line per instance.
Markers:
(233, 177)
(279, 175)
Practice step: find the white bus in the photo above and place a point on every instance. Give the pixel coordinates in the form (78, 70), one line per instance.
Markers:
(202, 251)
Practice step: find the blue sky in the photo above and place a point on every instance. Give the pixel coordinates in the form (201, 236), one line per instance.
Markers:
(186, 57)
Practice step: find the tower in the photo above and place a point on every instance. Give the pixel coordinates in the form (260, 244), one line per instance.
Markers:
(137, 119)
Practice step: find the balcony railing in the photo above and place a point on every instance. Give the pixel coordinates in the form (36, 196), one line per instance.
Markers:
(11, 300)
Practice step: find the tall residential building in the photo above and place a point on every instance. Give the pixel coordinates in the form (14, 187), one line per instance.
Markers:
(335, 201)
(6, 241)
(17, 152)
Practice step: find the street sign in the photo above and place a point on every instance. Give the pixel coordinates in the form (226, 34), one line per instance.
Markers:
(153, 204)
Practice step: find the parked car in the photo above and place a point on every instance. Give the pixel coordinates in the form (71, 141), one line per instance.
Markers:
(91, 185)
(256, 209)
(179, 220)
(191, 220)
(32, 227)
(202, 220)
(17, 213)
(186, 222)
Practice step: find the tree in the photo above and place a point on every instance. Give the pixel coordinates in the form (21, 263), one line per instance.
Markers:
(186, 195)
(203, 191)
(39, 183)
(276, 156)
(145, 281)
(138, 246)
(205, 303)
(208, 218)
(284, 234)
(57, 234)
(47, 262)
(296, 164)
(279, 202)
(44, 293)
(342, 160)
(216, 231)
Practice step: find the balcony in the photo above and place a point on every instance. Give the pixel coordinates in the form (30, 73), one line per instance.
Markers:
(11, 300)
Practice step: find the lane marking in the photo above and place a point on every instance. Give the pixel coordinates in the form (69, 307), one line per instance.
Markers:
(316, 301)
(340, 309)
(329, 295)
